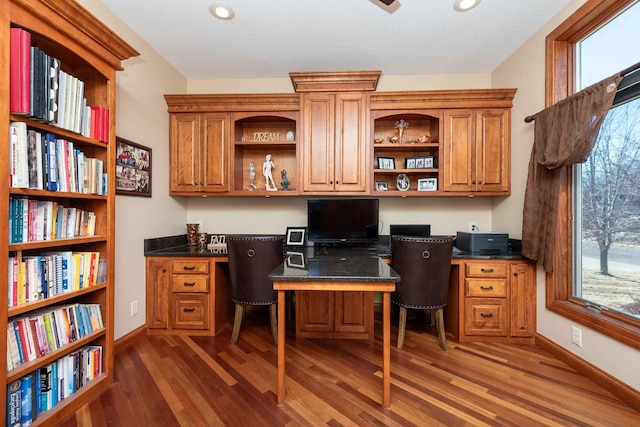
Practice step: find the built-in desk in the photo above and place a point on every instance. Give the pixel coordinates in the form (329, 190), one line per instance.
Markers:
(336, 274)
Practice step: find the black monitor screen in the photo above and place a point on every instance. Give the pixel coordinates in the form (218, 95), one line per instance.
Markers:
(342, 220)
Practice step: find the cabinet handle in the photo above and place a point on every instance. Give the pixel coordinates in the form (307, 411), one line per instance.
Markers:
(515, 274)
(487, 315)
(164, 270)
(473, 182)
(337, 182)
(189, 268)
(189, 283)
(486, 288)
(487, 270)
(188, 309)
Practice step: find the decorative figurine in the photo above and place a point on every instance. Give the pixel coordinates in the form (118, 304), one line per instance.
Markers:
(400, 125)
(252, 177)
(284, 180)
(269, 183)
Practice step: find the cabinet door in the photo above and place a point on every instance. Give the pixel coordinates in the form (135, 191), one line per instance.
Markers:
(492, 152)
(214, 153)
(314, 313)
(318, 112)
(350, 142)
(158, 279)
(523, 300)
(458, 155)
(184, 161)
(354, 313)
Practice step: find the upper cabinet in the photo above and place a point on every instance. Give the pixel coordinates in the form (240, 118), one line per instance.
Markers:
(334, 154)
(338, 136)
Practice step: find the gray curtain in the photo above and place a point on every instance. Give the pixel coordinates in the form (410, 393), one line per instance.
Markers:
(565, 134)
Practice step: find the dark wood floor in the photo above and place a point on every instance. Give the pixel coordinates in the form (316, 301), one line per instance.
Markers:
(205, 381)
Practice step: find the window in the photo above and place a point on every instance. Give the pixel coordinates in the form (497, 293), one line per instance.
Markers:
(588, 241)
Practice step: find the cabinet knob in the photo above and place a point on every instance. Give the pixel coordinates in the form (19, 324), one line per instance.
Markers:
(189, 283)
(188, 309)
(486, 315)
(164, 270)
(473, 181)
(337, 182)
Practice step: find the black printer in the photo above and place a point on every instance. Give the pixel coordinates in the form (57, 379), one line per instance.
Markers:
(484, 243)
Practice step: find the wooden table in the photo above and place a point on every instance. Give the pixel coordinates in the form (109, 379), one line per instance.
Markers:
(337, 274)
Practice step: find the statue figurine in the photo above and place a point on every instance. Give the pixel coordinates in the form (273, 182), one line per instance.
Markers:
(269, 183)
(284, 180)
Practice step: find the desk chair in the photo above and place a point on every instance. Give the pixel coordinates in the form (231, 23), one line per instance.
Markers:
(251, 259)
(423, 264)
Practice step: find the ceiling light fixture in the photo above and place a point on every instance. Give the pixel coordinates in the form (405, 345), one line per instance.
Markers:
(221, 11)
(464, 5)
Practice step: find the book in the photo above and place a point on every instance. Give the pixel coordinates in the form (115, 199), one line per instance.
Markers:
(20, 71)
(26, 400)
(18, 151)
(14, 404)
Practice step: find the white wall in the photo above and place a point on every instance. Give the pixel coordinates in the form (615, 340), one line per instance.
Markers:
(525, 70)
(141, 116)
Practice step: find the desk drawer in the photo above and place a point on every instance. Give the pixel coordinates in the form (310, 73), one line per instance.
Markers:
(486, 316)
(190, 266)
(190, 311)
(189, 283)
(496, 288)
(473, 269)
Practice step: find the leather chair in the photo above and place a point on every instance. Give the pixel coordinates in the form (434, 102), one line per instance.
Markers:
(423, 264)
(251, 259)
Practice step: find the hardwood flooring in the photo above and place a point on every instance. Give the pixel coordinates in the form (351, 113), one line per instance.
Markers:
(206, 381)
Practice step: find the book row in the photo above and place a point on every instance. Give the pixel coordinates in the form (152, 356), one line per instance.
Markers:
(32, 220)
(41, 332)
(39, 88)
(45, 387)
(43, 162)
(35, 277)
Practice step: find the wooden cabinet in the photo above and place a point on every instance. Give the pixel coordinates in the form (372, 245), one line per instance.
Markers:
(476, 151)
(190, 295)
(334, 154)
(82, 47)
(198, 153)
(494, 300)
(327, 314)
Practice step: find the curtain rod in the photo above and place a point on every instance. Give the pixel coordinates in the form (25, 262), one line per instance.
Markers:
(623, 73)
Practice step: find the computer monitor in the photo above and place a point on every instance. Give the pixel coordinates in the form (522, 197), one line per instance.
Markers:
(413, 230)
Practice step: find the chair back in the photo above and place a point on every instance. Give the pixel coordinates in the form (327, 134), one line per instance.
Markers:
(251, 259)
(424, 265)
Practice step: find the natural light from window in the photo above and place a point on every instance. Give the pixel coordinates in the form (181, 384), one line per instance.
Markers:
(607, 186)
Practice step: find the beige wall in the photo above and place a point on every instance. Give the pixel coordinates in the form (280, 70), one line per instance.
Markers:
(141, 116)
(525, 70)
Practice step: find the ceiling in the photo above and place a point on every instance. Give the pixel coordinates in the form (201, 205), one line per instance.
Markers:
(268, 39)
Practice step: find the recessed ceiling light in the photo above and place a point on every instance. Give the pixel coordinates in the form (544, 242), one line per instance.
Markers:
(464, 5)
(221, 11)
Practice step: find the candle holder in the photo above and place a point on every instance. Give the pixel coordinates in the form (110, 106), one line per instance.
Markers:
(192, 234)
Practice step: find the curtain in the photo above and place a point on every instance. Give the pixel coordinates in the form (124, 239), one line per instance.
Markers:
(564, 134)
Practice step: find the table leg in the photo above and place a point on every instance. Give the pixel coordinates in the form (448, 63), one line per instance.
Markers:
(386, 349)
(281, 345)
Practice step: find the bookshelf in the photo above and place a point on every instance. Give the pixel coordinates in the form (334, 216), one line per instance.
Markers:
(91, 53)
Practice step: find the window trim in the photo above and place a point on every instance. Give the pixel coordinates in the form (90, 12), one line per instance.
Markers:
(560, 70)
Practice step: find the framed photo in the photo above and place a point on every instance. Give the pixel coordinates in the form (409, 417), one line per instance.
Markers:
(419, 162)
(381, 186)
(386, 163)
(410, 163)
(428, 184)
(295, 259)
(133, 168)
(429, 162)
(296, 236)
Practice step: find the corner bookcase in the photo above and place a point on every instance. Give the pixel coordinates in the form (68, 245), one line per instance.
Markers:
(89, 51)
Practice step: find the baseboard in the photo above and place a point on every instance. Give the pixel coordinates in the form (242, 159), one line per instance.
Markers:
(613, 385)
(129, 338)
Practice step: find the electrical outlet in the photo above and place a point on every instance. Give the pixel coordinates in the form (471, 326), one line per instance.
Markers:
(576, 336)
(473, 226)
(134, 308)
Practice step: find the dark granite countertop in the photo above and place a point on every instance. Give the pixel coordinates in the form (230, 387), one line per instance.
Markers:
(352, 269)
(177, 246)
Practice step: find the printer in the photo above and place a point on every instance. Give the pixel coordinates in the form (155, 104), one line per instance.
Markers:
(484, 243)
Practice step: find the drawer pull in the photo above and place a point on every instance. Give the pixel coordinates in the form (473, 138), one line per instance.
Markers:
(486, 288)
(487, 270)
(188, 309)
(189, 283)
(487, 315)
(189, 268)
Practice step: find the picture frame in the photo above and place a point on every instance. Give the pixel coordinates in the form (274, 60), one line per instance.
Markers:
(386, 163)
(295, 259)
(133, 168)
(428, 184)
(381, 186)
(296, 236)
(429, 162)
(423, 162)
(410, 163)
